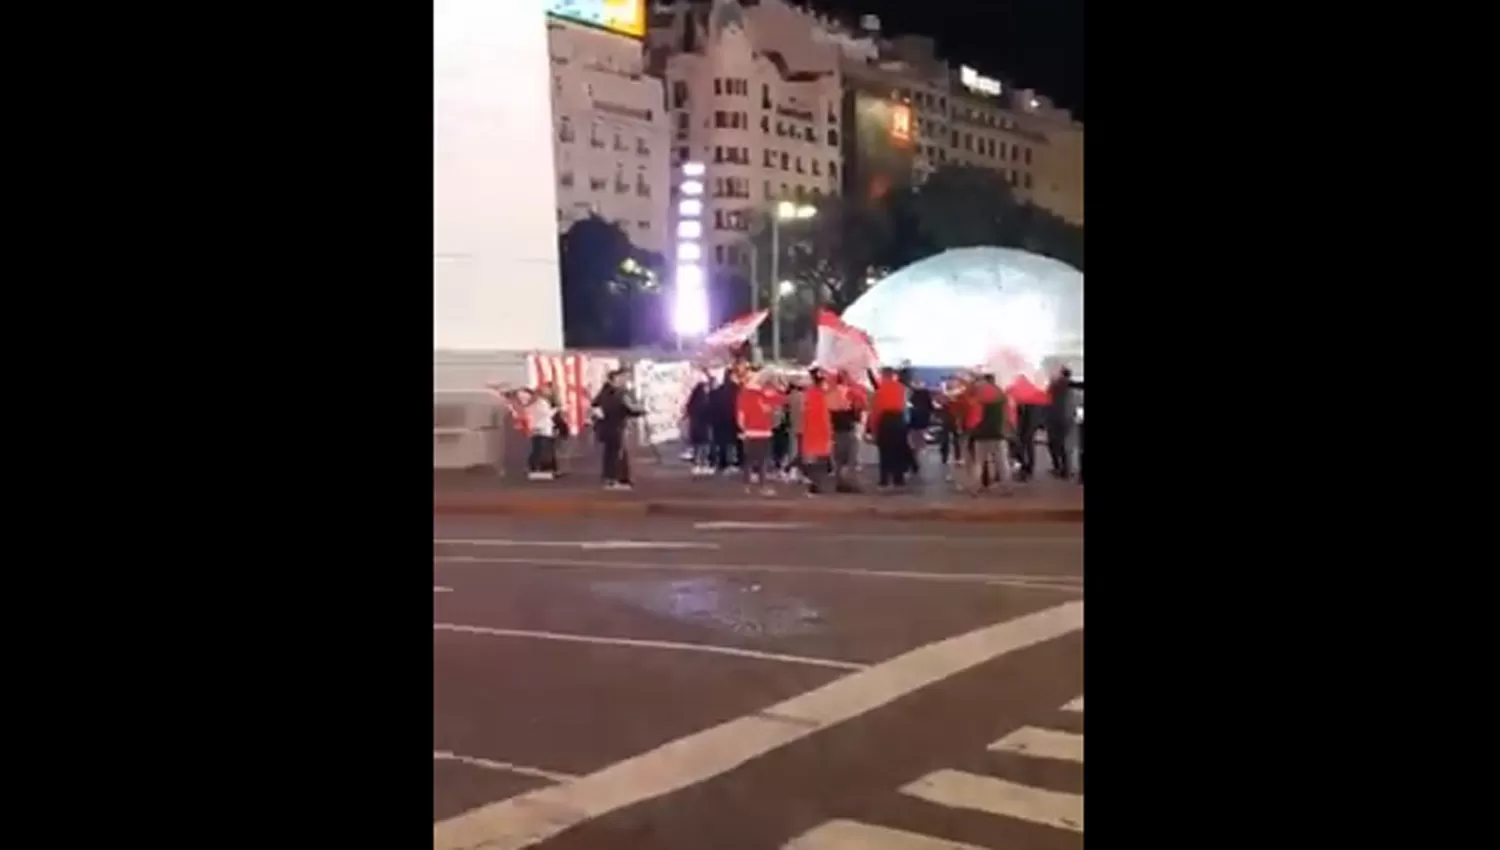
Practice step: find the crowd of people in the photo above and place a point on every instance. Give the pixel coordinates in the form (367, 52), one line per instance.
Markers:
(772, 429)
(769, 427)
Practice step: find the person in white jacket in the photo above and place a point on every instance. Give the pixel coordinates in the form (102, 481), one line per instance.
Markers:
(537, 411)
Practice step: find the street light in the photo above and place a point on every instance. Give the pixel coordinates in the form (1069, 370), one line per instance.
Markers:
(785, 211)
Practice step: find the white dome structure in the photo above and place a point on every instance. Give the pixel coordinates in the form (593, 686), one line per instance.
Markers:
(955, 308)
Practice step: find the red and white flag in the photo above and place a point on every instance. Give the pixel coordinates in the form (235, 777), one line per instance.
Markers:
(843, 347)
(736, 331)
(1022, 380)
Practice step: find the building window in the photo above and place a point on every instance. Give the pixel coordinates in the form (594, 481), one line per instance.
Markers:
(769, 194)
(1026, 180)
(565, 179)
(565, 130)
(598, 183)
(682, 155)
(721, 119)
(642, 188)
(833, 169)
(682, 121)
(799, 166)
(718, 86)
(765, 96)
(620, 143)
(596, 137)
(765, 124)
(955, 139)
(768, 159)
(785, 161)
(679, 94)
(643, 225)
(816, 169)
(641, 147)
(1027, 157)
(719, 254)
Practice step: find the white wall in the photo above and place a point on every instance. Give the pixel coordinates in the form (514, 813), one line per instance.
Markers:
(495, 276)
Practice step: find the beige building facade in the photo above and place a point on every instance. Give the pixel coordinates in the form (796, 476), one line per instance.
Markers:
(612, 136)
(756, 100)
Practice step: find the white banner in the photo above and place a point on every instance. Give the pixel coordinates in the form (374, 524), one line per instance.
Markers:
(662, 387)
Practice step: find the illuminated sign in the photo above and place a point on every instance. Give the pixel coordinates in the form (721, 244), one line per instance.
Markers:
(901, 122)
(975, 82)
(626, 17)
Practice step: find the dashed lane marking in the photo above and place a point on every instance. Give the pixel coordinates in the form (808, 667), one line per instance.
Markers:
(1018, 581)
(957, 789)
(640, 643)
(586, 545)
(528, 819)
(505, 766)
(1042, 743)
(437, 589)
(850, 835)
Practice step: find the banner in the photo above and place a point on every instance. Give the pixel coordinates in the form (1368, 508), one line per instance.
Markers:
(662, 387)
(576, 376)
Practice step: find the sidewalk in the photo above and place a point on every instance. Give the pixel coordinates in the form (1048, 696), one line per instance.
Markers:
(668, 490)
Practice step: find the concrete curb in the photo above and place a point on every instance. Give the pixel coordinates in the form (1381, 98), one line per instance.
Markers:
(829, 508)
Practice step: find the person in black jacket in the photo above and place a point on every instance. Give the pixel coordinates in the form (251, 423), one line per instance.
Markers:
(699, 427)
(1062, 415)
(723, 403)
(918, 421)
(613, 408)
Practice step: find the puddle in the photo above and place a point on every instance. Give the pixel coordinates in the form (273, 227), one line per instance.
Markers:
(740, 607)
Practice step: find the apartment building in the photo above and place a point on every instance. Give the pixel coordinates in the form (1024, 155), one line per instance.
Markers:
(612, 133)
(1036, 147)
(757, 101)
(741, 74)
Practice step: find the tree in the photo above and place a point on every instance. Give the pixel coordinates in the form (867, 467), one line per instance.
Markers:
(961, 206)
(609, 287)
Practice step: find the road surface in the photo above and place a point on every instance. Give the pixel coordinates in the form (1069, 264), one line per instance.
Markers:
(683, 685)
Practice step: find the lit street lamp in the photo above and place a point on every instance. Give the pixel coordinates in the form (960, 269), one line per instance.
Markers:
(785, 211)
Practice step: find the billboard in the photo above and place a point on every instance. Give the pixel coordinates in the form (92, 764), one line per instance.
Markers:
(626, 17)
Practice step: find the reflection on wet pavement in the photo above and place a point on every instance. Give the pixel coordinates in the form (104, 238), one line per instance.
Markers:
(741, 607)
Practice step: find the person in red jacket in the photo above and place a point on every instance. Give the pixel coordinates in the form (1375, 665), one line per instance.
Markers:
(755, 411)
(888, 423)
(817, 430)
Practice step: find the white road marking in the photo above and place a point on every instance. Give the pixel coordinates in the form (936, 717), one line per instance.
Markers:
(811, 532)
(535, 816)
(507, 767)
(437, 589)
(586, 545)
(732, 525)
(958, 790)
(1022, 581)
(651, 644)
(1075, 705)
(851, 835)
(1042, 743)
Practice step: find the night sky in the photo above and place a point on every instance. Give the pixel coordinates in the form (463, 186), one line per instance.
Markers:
(1034, 43)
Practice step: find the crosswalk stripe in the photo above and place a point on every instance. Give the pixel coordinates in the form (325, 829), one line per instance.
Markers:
(1042, 743)
(852, 835)
(1075, 705)
(958, 790)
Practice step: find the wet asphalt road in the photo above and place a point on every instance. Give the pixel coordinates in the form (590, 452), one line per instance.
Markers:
(562, 649)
